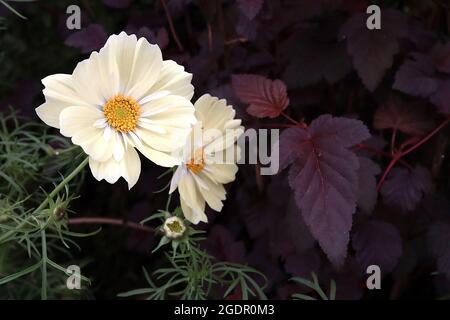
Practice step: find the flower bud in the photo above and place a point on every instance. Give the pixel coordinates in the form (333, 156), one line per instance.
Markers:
(174, 227)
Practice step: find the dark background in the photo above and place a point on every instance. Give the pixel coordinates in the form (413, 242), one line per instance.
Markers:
(298, 42)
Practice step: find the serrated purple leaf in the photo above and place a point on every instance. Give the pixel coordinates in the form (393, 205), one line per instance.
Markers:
(373, 51)
(406, 117)
(417, 76)
(325, 180)
(377, 243)
(404, 188)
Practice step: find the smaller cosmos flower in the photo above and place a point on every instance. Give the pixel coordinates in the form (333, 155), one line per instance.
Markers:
(122, 98)
(174, 228)
(210, 156)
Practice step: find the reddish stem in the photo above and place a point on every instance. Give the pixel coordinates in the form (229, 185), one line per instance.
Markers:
(111, 221)
(428, 137)
(289, 118)
(382, 153)
(399, 155)
(391, 165)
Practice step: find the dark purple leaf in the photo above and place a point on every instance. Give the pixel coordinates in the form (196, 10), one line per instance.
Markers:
(396, 114)
(324, 176)
(159, 36)
(417, 76)
(373, 51)
(250, 7)
(223, 246)
(317, 56)
(91, 38)
(423, 39)
(297, 230)
(422, 75)
(367, 184)
(377, 243)
(404, 189)
(267, 98)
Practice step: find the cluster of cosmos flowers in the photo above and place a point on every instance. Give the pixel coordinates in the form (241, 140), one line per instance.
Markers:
(126, 98)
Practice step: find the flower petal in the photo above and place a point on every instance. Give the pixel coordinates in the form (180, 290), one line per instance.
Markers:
(174, 79)
(78, 123)
(214, 195)
(167, 127)
(213, 113)
(60, 93)
(138, 63)
(160, 158)
(130, 166)
(221, 173)
(192, 215)
(108, 170)
(145, 70)
(111, 170)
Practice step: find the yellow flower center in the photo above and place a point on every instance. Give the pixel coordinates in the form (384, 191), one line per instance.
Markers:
(197, 162)
(122, 113)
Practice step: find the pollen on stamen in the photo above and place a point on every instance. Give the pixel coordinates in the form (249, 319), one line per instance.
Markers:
(122, 113)
(197, 163)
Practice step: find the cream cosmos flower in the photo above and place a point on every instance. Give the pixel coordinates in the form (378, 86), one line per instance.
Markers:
(122, 98)
(205, 169)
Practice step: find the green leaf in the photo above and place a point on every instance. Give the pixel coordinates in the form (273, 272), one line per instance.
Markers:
(332, 290)
(164, 240)
(21, 273)
(302, 297)
(136, 292)
(12, 9)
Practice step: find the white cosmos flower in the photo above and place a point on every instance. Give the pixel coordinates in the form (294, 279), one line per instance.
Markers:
(205, 169)
(122, 98)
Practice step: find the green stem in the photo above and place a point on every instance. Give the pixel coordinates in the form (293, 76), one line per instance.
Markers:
(168, 202)
(5, 237)
(44, 265)
(62, 184)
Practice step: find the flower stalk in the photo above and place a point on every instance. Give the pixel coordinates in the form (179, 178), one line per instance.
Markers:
(8, 235)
